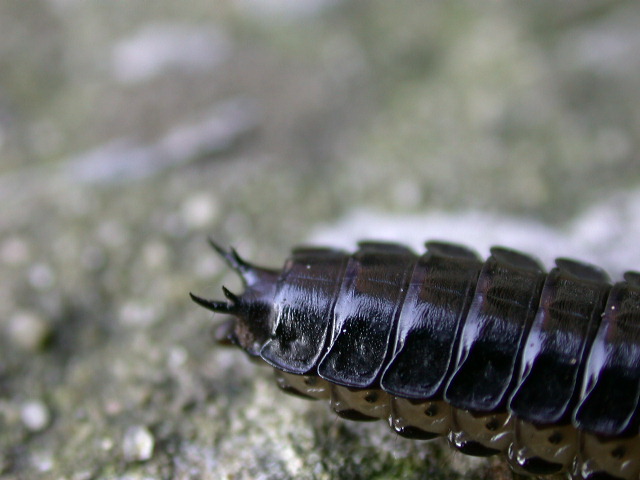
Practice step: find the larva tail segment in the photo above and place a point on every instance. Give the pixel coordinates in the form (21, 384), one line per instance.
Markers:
(252, 308)
(249, 274)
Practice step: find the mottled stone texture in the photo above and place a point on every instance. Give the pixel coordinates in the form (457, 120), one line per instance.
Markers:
(130, 131)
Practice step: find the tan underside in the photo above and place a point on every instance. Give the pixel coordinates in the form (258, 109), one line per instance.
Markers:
(430, 416)
(577, 452)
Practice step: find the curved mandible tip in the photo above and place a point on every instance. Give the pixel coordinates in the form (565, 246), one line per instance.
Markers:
(213, 305)
(233, 259)
(235, 300)
(249, 274)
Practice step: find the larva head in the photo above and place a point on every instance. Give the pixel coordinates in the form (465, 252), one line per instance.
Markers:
(252, 309)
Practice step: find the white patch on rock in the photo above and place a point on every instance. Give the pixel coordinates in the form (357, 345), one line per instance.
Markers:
(14, 251)
(41, 277)
(200, 210)
(138, 444)
(156, 49)
(284, 9)
(136, 313)
(124, 159)
(605, 234)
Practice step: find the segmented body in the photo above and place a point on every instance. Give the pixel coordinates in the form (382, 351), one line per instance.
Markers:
(498, 356)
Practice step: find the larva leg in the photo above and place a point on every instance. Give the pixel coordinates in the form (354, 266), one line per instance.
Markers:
(308, 386)
(360, 404)
(420, 419)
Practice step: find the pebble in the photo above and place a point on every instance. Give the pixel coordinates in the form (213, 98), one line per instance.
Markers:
(137, 444)
(200, 211)
(41, 276)
(156, 254)
(43, 461)
(135, 313)
(14, 251)
(28, 330)
(35, 415)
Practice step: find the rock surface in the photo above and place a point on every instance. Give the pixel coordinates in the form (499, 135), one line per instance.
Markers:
(279, 125)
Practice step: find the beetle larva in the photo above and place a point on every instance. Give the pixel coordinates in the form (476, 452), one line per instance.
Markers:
(498, 356)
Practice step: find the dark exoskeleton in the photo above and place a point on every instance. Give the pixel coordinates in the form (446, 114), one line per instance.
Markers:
(498, 356)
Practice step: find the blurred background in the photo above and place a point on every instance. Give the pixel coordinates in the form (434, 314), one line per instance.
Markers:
(131, 131)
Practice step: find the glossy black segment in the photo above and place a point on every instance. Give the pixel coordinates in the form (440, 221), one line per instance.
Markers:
(303, 308)
(503, 307)
(539, 466)
(303, 250)
(355, 415)
(568, 316)
(365, 314)
(611, 391)
(451, 250)
(415, 433)
(472, 448)
(583, 271)
(632, 278)
(370, 246)
(436, 303)
(515, 260)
